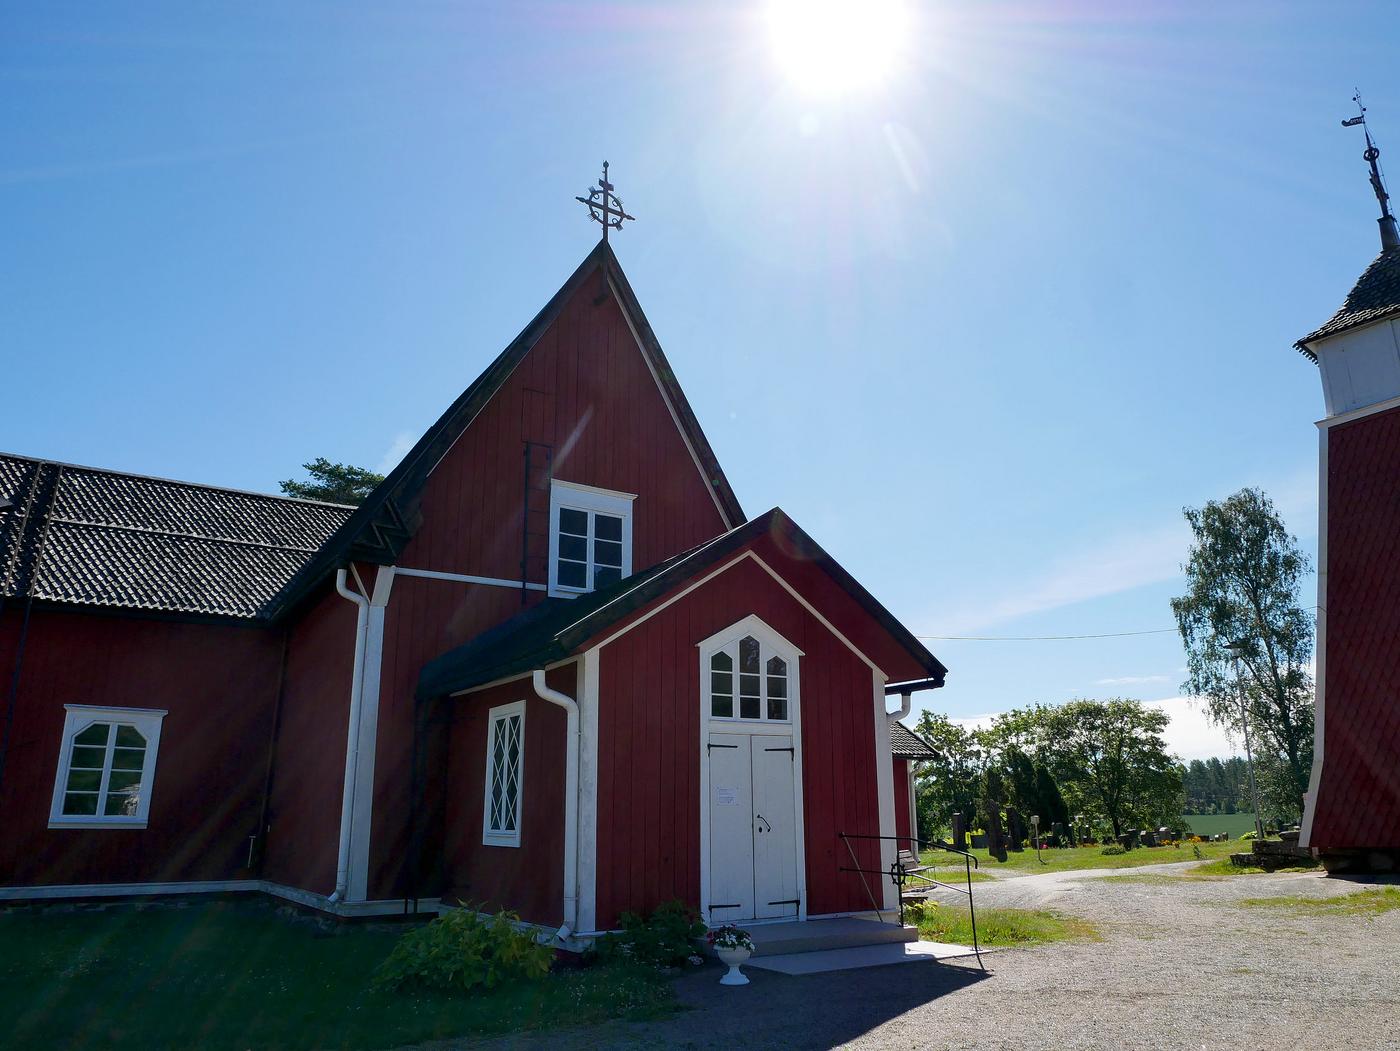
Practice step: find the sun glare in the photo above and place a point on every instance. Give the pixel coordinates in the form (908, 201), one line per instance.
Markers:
(830, 47)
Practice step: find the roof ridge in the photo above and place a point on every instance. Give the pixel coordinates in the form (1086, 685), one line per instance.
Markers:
(298, 500)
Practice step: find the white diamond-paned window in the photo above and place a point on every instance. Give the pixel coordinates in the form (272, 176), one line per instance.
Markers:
(505, 775)
(590, 538)
(749, 681)
(106, 767)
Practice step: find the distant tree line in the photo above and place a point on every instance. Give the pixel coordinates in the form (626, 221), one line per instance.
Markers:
(1104, 761)
(1217, 786)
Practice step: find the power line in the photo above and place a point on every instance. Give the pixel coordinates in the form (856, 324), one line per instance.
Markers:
(1038, 638)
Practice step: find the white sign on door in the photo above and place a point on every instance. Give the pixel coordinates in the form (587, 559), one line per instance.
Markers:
(726, 796)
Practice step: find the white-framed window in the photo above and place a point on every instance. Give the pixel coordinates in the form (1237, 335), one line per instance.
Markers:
(748, 673)
(505, 775)
(590, 537)
(106, 767)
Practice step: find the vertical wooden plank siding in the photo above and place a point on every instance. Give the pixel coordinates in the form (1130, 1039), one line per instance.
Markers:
(901, 800)
(1358, 788)
(649, 749)
(529, 878)
(218, 684)
(586, 391)
(309, 775)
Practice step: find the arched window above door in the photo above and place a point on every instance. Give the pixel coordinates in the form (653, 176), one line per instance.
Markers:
(749, 675)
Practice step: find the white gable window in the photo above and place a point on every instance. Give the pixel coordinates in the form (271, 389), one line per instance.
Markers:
(505, 775)
(749, 673)
(106, 767)
(590, 538)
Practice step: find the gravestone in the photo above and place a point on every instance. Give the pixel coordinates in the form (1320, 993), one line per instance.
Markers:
(1015, 828)
(959, 832)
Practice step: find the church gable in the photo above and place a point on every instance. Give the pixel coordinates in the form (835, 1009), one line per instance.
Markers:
(582, 411)
(583, 395)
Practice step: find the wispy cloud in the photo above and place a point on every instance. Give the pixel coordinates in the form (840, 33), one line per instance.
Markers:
(398, 449)
(1114, 565)
(1132, 680)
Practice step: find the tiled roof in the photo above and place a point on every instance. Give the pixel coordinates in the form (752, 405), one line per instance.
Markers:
(1375, 297)
(906, 744)
(84, 536)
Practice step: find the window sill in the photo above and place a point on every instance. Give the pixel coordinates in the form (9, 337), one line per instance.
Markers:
(95, 823)
(489, 841)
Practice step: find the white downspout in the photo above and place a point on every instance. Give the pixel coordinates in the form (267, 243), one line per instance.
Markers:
(570, 707)
(352, 735)
(906, 702)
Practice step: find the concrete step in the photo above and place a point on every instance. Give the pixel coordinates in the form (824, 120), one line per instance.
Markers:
(843, 932)
(848, 959)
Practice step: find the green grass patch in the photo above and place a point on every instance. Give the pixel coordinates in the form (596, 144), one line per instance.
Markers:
(952, 874)
(1226, 867)
(1220, 868)
(1372, 902)
(1234, 825)
(951, 923)
(237, 974)
(1072, 858)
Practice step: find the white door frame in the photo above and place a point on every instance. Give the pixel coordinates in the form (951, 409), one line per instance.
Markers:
(752, 625)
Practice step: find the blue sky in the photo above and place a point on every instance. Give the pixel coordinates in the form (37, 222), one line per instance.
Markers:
(982, 327)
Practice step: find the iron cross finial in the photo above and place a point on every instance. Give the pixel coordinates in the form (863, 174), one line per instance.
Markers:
(604, 206)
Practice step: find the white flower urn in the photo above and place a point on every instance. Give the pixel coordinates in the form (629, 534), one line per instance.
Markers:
(734, 958)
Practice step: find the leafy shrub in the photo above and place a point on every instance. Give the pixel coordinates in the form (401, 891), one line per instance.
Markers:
(1111, 849)
(461, 950)
(666, 938)
(1251, 834)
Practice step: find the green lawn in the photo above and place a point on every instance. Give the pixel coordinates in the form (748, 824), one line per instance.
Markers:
(1092, 858)
(236, 975)
(1211, 824)
(950, 923)
(1372, 902)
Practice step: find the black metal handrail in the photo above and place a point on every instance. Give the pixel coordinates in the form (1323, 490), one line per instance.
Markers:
(899, 876)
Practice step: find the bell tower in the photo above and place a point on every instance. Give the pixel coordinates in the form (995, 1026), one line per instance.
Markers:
(1351, 815)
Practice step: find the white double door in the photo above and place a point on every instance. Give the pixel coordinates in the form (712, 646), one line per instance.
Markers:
(754, 849)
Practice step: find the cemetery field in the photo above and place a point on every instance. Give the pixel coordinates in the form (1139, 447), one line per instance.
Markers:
(1235, 825)
(1071, 858)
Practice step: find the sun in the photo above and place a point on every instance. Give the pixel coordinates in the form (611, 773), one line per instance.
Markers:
(830, 47)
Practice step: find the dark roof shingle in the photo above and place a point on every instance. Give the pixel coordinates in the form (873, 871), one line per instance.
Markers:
(84, 536)
(906, 744)
(1374, 297)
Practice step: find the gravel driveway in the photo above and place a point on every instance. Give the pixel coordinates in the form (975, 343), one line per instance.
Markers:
(1180, 966)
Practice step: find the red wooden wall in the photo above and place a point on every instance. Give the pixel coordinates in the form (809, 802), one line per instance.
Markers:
(902, 823)
(218, 684)
(529, 878)
(649, 749)
(1358, 798)
(309, 772)
(424, 618)
(584, 389)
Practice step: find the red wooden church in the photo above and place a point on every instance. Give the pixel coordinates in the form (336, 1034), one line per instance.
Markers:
(1352, 810)
(549, 664)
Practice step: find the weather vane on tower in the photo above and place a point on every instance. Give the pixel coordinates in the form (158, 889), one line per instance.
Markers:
(604, 206)
(1390, 236)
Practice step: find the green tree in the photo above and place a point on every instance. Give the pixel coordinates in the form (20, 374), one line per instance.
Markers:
(1051, 802)
(336, 483)
(1243, 578)
(1110, 756)
(948, 784)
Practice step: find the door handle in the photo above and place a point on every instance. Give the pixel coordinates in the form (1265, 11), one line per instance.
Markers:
(766, 826)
